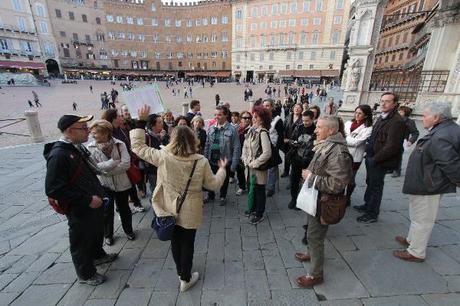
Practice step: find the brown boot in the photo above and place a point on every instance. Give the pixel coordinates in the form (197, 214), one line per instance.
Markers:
(302, 257)
(405, 255)
(307, 281)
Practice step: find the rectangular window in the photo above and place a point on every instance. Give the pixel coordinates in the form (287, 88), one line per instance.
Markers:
(288, 67)
(304, 21)
(253, 26)
(303, 38)
(58, 13)
(178, 23)
(129, 20)
(44, 27)
(167, 22)
(288, 55)
(239, 14)
(66, 52)
(274, 24)
(17, 5)
(332, 55)
(299, 67)
(319, 5)
(4, 44)
(21, 24)
(252, 57)
(264, 11)
(313, 55)
(300, 55)
(261, 56)
(335, 38)
(189, 23)
(154, 8)
(71, 16)
(205, 21)
(339, 4)
(263, 25)
(254, 12)
(154, 22)
(314, 38)
(337, 19)
(140, 21)
(306, 6)
(275, 9)
(262, 41)
(109, 18)
(224, 36)
(401, 55)
(84, 18)
(292, 22)
(214, 20)
(75, 36)
(198, 22)
(119, 19)
(88, 38)
(271, 56)
(40, 10)
(317, 21)
(224, 19)
(293, 7)
(284, 8)
(282, 24)
(62, 33)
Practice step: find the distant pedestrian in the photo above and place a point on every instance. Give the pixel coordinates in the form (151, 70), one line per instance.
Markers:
(74, 106)
(30, 103)
(36, 99)
(190, 90)
(91, 88)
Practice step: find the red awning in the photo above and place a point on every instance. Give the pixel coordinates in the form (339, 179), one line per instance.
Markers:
(21, 65)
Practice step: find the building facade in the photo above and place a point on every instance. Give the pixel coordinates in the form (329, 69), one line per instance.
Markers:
(151, 38)
(20, 46)
(78, 28)
(402, 47)
(288, 39)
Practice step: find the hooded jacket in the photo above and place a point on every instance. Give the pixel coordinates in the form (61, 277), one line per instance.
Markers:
(62, 160)
(331, 164)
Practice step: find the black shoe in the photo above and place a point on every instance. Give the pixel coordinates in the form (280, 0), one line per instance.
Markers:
(105, 259)
(208, 200)
(248, 213)
(305, 226)
(304, 240)
(396, 174)
(131, 236)
(360, 208)
(255, 220)
(366, 219)
(270, 193)
(94, 280)
(284, 174)
(292, 204)
(108, 241)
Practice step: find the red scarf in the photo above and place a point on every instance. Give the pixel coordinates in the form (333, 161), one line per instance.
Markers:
(355, 124)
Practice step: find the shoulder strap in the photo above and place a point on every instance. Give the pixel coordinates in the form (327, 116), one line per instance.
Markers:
(184, 194)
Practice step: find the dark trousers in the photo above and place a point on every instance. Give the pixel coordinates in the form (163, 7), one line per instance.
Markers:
(296, 175)
(398, 170)
(182, 248)
(259, 200)
(241, 177)
(152, 180)
(374, 179)
(133, 195)
(224, 188)
(86, 236)
(121, 199)
(352, 185)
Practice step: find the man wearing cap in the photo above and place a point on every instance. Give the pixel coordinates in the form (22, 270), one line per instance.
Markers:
(71, 179)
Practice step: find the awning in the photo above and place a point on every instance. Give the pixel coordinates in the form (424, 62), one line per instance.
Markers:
(219, 74)
(21, 65)
(330, 73)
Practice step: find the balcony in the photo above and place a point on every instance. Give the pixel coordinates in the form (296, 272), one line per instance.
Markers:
(6, 28)
(281, 47)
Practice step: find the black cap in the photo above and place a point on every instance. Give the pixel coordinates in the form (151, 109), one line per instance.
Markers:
(67, 120)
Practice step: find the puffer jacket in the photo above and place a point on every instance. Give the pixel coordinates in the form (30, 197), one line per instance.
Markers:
(173, 173)
(434, 164)
(251, 149)
(114, 177)
(331, 165)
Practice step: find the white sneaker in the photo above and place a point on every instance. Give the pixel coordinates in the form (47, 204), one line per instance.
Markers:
(240, 191)
(184, 286)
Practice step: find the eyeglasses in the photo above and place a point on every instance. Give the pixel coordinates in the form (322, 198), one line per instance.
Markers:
(246, 118)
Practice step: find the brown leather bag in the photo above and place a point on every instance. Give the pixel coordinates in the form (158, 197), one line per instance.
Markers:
(332, 208)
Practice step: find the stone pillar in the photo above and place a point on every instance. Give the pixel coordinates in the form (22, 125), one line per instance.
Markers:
(34, 125)
(184, 108)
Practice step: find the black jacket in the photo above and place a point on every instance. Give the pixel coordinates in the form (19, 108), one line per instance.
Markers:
(62, 160)
(411, 130)
(434, 165)
(386, 141)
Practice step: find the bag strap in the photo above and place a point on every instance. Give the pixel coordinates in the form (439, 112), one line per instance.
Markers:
(184, 194)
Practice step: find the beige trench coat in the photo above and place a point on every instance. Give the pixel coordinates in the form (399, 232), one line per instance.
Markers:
(173, 173)
(249, 155)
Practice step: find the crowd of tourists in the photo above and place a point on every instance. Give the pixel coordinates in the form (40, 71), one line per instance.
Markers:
(184, 159)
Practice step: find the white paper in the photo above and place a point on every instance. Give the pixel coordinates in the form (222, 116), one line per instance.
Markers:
(137, 97)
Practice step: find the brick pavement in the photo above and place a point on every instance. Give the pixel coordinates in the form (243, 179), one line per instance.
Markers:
(240, 264)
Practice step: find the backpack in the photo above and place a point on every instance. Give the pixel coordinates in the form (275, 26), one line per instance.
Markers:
(63, 208)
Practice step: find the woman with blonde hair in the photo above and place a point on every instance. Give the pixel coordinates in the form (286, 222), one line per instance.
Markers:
(175, 163)
(197, 124)
(112, 157)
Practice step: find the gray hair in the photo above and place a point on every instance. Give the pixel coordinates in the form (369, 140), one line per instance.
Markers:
(441, 108)
(332, 122)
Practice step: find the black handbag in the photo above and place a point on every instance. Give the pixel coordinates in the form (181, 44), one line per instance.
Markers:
(164, 226)
(274, 160)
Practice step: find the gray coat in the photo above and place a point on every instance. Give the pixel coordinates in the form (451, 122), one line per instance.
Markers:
(434, 165)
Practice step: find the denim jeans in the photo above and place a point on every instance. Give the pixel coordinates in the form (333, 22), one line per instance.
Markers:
(374, 179)
(273, 176)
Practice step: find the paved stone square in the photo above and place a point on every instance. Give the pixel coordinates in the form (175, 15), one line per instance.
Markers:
(239, 264)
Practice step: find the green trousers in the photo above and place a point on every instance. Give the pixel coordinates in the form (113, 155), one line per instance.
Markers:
(316, 233)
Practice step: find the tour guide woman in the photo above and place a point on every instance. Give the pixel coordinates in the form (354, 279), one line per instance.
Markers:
(175, 163)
